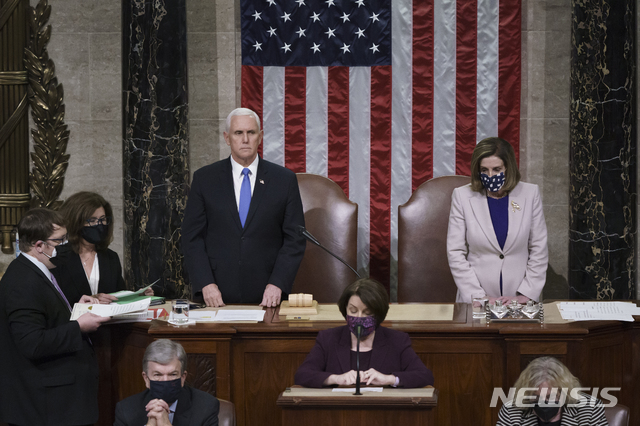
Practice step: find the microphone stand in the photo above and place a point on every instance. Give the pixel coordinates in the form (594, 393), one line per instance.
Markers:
(358, 331)
(303, 231)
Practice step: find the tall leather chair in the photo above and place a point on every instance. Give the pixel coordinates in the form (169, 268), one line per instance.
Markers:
(423, 268)
(618, 415)
(227, 413)
(333, 220)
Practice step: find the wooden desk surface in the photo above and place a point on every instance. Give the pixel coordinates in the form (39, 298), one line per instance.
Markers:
(251, 364)
(296, 396)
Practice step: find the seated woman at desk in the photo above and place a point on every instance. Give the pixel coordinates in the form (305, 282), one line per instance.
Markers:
(555, 398)
(386, 355)
(497, 237)
(92, 268)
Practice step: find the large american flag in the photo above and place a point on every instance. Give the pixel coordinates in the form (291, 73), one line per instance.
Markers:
(381, 95)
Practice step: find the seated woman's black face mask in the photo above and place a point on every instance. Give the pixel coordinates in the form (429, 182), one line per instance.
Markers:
(546, 413)
(95, 234)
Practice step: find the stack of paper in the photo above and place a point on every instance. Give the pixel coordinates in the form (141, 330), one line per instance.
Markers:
(134, 311)
(598, 311)
(227, 315)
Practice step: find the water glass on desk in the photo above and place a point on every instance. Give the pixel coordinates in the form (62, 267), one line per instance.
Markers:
(179, 312)
(478, 301)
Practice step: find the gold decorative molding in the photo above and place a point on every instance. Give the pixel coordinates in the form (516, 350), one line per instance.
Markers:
(13, 77)
(7, 10)
(14, 119)
(15, 200)
(10, 125)
(50, 137)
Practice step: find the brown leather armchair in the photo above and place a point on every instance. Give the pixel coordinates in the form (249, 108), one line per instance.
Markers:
(333, 220)
(227, 413)
(423, 268)
(618, 415)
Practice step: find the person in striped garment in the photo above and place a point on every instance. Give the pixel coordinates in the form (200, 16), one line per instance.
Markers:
(555, 399)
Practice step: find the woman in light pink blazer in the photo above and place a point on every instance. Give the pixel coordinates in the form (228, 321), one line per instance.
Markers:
(497, 238)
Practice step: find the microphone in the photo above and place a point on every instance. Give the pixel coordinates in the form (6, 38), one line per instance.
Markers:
(303, 231)
(358, 332)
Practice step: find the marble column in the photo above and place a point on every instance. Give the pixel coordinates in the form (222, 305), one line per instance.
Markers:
(155, 132)
(603, 228)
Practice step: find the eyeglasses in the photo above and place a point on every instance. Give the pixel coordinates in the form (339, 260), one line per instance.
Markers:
(58, 241)
(104, 220)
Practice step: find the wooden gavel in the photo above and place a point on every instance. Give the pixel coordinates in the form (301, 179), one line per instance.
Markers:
(300, 300)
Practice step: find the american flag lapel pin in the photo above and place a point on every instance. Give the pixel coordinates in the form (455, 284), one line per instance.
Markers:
(515, 206)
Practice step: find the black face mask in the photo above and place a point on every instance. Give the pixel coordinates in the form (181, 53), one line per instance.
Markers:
(95, 234)
(166, 390)
(546, 413)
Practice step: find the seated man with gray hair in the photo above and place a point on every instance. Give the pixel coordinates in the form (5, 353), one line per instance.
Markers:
(167, 401)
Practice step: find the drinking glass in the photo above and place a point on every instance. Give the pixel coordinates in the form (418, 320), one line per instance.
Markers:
(180, 312)
(478, 301)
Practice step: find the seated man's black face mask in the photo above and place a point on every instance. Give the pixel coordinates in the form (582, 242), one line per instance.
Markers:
(168, 390)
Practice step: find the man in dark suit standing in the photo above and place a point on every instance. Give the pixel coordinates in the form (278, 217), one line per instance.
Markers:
(240, 233)
(48, 369)
(167, 401)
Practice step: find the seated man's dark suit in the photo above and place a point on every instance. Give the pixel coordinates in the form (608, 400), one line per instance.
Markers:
(391, 354)
(195, 408)
(242, 261)
(48, 369)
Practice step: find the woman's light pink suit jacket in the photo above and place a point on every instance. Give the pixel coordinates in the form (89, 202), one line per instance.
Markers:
(475, 257)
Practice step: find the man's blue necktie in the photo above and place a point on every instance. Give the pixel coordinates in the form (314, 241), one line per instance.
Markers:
(245, 196)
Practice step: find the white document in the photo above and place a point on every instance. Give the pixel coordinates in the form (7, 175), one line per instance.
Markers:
(352, 390)
(109, 310)
(202, 316)
(598, 311)
(133, 317)
(229, 315)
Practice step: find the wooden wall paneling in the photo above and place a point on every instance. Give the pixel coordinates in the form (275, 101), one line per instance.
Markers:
(605, 354)
(466, 370)
(631, 382)
(354, 417)
(522, 350)
(262, 369)
(127, 357)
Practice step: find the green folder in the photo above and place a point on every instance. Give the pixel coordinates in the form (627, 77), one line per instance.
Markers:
(138, 297)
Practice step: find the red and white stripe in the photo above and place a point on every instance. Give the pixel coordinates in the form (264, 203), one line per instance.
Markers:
(379, 132)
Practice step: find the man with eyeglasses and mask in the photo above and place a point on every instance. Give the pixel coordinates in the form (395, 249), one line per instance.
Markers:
(48, 368)
(167, 401)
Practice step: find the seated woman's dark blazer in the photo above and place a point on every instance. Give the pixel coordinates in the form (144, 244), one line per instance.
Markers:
(391, 354)
(73, 280)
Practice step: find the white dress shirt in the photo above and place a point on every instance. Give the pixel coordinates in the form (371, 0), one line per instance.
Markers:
(94, 279)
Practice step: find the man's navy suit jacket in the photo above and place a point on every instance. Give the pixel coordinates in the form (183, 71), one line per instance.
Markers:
(242, 261)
